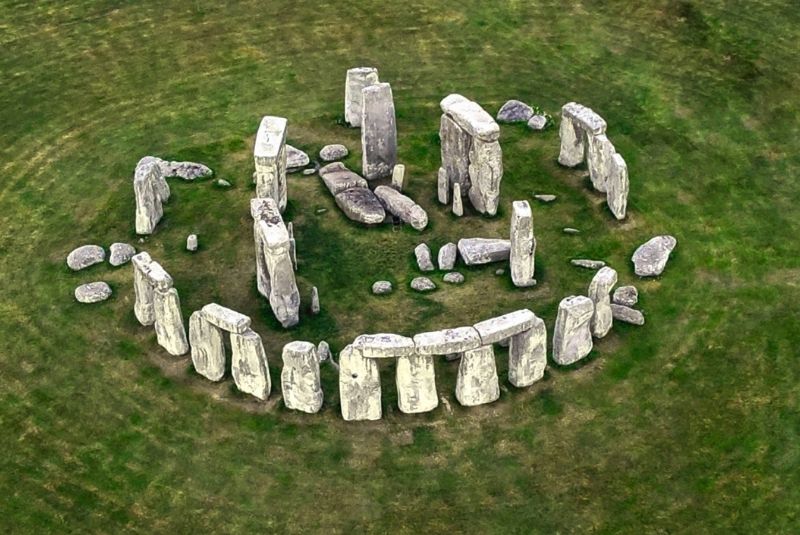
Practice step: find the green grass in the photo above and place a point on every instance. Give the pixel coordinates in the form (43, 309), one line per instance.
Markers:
(689, 424)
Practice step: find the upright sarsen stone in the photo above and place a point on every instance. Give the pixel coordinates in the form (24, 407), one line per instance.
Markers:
(249, 364)
(416, 384)
(378, 131)
(572, 336)
(357, 79)
(527, 355)
(269, 154)
(359, 386)
(208, 347)
(477, 381)
(300, 377)
(523, 245)
(600, 294)
(170, 332)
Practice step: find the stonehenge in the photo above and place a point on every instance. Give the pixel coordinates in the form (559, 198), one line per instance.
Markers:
(300, 382)
(357, 79)
(523, 245)
(572, 335)
(471, 153)
(378, 131)
(600, 294)
(269, 154)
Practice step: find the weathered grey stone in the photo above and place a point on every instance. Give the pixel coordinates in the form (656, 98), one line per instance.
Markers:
(226, 319)
(453, 277)
(627, 314)
(150, 191)
(650, 258)
(477, 381)
(416, 384)
(85, 256)
(486, 173)
(546, 198)
(423, 255)
(361, 205)
(600, 294)
(184, 170)
(339, 181)
(403, 207)
(300, 377)
(496, 329)
(378, 131)
(249, 364)
(458, 200)
(599, 160)
(523, 245)
(455, 146)
(208, 347)
(514, 111)
(447, 341)
(572, 336)
(618, 187)
(143, 290)
(477, 251)
(442, 187)
(527, 355)
(93, 292)
(447, 256)
(381, 287)
(422, 284)
(357, 79)
(323, 351)
(626, 295)
(537, 122)
(170, 331)
(359, 386)
(120, 253)
(471, 117)
(315, 301)
(586, 263)
(384, 345)
(295, 159)
(399, 177)
(191, 242)
(330, 153)
(270, 159)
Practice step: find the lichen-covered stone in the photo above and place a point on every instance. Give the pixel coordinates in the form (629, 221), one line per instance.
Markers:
(226, 318)
(442, 187)
(523, 245)
(447, 256)
(577, 122)
(269, 154)
(477, 251)
(378, 131)
(185, 170)
(572, 335)
(527, 355)
(150, 191)
(477, 381)
(403, 207)
(416, 384)
(143, 290)
(357, 79)
(381, 287)
(455, 146)
(208, 347)
(650, 258)
(599, 160)
(586, 263)
(300, 377)
(537, 123)
(423, 255)
(339, 181)
(446, 341)
(471, 117)
(170, 331)
(399, 177)
(486, 173)
(458, 201)
(85, 256)
(454, 277)
(93, 292)
(600, 294)
(295, 159)
(249, 364)
(359, 386)
(361, 205)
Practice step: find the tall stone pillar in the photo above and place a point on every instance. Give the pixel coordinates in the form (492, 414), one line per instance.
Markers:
(572, 336)
(249, 364)
(416, 384)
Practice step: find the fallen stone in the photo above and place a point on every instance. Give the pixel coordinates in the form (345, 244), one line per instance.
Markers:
(249, 364)
(403, 207)
(271, 159)
(357, 79)
(330, 153)
(600, 294)
(514, 111)
(626, 295)
(384, 345)
(446, 341)
(225, 318)
(545, 198)
(300, 382)
(170, 331)
(332, 167)
(85, 256)
(191, 242)
(399, 177)
(359, 386)
(650, 259)
(416, 384)
(537, 122)
(381, 287)
(120, 253)
(588, 264)
(296, 158)
(361, 205)
(453, 277)
(93, 292)
(502, 327)
(423, 255)
(572, 335)
(447, 256)
(208, 347)
(315, 301)
(627, 314)
(527, 355)
(422, 284)
(378, 131)
(458, 200)
(477, 251)
(523, 245)
(477, 382)
(339, 181)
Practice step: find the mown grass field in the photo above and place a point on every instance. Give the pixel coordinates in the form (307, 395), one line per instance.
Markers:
(690, 424)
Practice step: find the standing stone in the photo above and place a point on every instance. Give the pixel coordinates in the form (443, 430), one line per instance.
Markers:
(416, 384)
(191, 242)
(650, 258)
(423, 255)
(527, 355)
(618, 187)
(143, 290)
(477, 381)
(249, 364)
(572, 336)
(626, 295)
(359, 386)
(120, 253)
(269, 154)
(357, 79)
(599, 159)
(300, 377)
(314, 301)
(170, 332)
(85, 256)
(447, 256)
(378, 131)
(523, 245)
(150, 191)
(458, 201)
(208, 347)
(403, 207)
(600, 294)
(486, 173)
(398, 177)
(442, 188)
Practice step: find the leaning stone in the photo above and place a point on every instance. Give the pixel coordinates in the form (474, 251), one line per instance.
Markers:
(626, 295)
(378, 132)
(357, 79)
(339, 181)
(398, 177)
(588, 264)
(486, 173)
(384, 345)
(403, 207)
(170, 331)
(300, 377)
(572, 336)
(650, 259)
(359, 386)
(249, 364)
(315, 300)
(599, 160)
(93, 292)
(523, 245)
(545, 198)
(208, 347)
(191, 242)
(143, 290)
(120, 253)
(225, 318)
(496, 329)
(627, 314)
(447, 256)
(295, 158)
(477, 381)
(416, 384)
(269, 154)
(477, 251)
(381, 287)
(527, 355)
(617, 187)
(453, 277)
(458, 200)
(447, 341)
(514, 111)
(471, 117)
(85, 256)
(537, 122)
(361, 205)
(600, 294)
(422, 284)
(330, 153)
(423, 255)
(323, 351)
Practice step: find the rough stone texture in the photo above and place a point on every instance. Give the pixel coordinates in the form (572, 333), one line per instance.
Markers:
(599, 159)
(381, 287)
(618, 187)
(315, 301)
(150, 191)
(477, 251)
(537, 122)
(627, 314)
(357, 79)
(496, 329)
(249, 364)
(514, 111)
(93, 292)
(331, 153)
(527, 355)
(378, 131)
(339, 181)
(586, 263)
(416, 384)
(85, 256)
(471, 117)
(458, 200)
(295, 158)
(323, 351)
(453, 278)
(600, 294)
(361, 205)
(269, 154)
(191, 242)
(650, 258)
(447, 256)
(226, 319)
(359, 386)
(403, 207)
(477, 381)
(572, 335)
(626, 295)
(423, 255)
(447, 341)
(384, 345)
(422, 284)
(545, 198)
(442, 187)
(399, 177)
(300, 377)
(184, 170)
(120, 253)
(143, 290)
(208, 347)
(523, 245)
(486, 173)
(170, 331)
(455, 146)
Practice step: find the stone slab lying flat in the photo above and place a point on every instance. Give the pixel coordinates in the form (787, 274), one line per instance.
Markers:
(225, 318)
(493, 330)
(384, 345)
(447, 341)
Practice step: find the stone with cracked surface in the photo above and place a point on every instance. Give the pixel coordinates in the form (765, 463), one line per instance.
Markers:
(300, 381)
(249, 364)
(486, 174)
(477, 382)
(208, 347)
(143, 290)
(359, 386)
(471, 117)
(478, 251)
(269, 155)
(618, 187)
(600, 294)
(599, 159)
(523, 245)
(455, 146)
(416, 384)
(150, 192)
(446, 341)
(572, 336)
(342, 180)
(650, 258)
(361, 205)
(378, 131)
